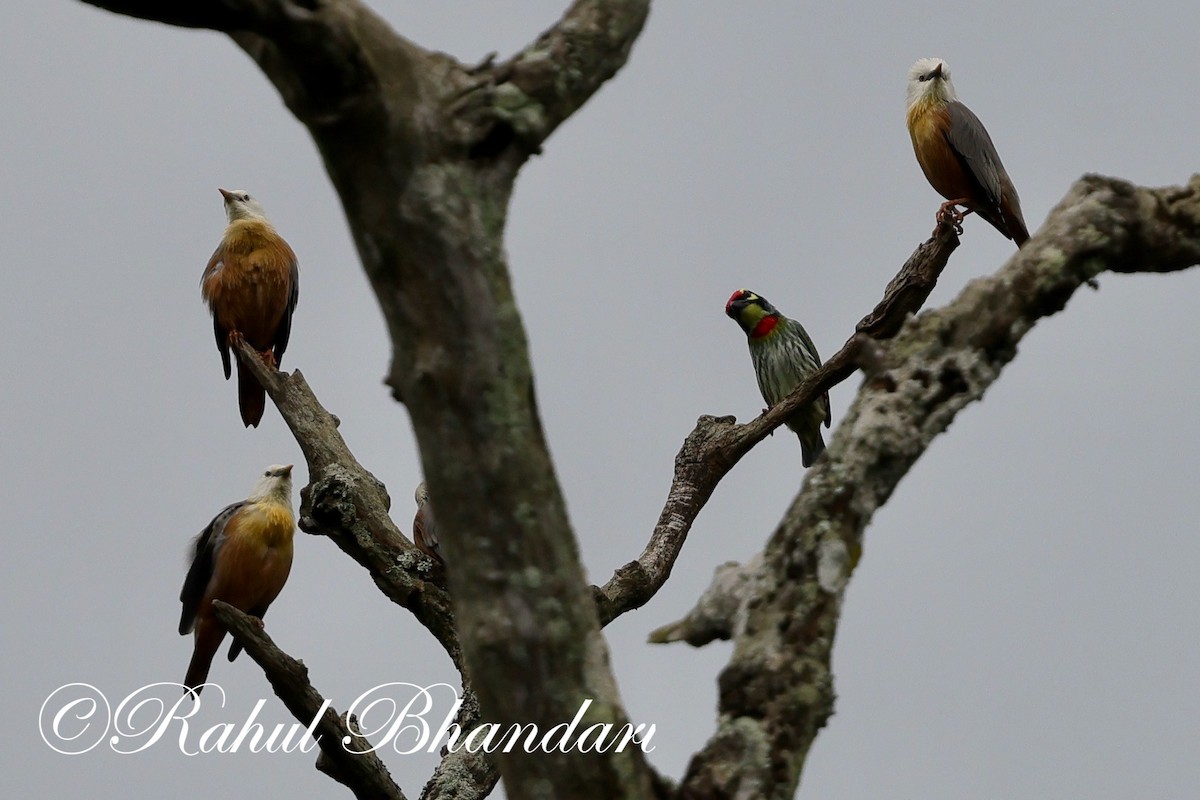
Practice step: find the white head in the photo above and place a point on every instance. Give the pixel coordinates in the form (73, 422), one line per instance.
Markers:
(929, 79)
(240, 205)
(275, 484)
(421, 495)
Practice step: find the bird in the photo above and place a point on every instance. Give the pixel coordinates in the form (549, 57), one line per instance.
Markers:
(424, 527)
(251, 285)
(783, 356)
(957, 155)
(242, 558)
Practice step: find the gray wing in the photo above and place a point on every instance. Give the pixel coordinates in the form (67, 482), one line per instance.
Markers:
(204, 550)
(425, 531)
(974, 147)
(284, 332)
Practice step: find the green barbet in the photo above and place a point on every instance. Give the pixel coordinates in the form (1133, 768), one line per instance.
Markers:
(783, 356)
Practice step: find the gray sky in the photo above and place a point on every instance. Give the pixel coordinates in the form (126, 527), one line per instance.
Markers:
(1023, 622)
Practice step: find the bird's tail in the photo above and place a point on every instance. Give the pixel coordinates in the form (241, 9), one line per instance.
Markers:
(208, 639)
(811, 446)
(252, 398)
(1019, 234)
(1006, 220)
(235, 649)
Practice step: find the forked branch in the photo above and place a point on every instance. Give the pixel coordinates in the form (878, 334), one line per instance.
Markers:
(349, 505)
(716, 444)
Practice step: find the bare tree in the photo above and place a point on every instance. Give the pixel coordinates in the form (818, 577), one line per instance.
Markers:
(423, 152)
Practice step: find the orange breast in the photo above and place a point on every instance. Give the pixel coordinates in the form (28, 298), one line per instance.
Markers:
(255, 559)
(927, 125)
(249, 291)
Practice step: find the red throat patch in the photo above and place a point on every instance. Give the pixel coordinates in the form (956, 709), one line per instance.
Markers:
(764, 326)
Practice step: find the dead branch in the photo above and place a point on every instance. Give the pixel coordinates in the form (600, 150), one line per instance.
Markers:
(716, 444)
(346, 756)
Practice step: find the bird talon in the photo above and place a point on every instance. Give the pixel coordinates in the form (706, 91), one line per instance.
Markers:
(772, 433)
(948, 213)
(235, 338)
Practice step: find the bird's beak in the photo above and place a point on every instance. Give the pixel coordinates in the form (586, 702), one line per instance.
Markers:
(228, 195)
(937, 71)
(287, 471)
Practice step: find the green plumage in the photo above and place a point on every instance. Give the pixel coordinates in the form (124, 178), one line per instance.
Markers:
(783, 355)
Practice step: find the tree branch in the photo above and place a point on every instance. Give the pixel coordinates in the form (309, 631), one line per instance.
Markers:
(349, 505)
(720, 611)
(329, 60)
(716, 444)
(217, 15)
(462, 775)
(346, 756)
(555, 75)
(777, 690)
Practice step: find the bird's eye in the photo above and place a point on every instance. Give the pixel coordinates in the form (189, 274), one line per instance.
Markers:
(922, 78)
(267, 474)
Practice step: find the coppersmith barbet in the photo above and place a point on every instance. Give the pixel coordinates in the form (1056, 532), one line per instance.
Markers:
(783, 356)
(243, 558)
(251, 285)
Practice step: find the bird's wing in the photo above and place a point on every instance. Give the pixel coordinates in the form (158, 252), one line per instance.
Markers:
(204, 551)
(222, 344)
(974, 148)
(425, 530)
(808, 343)
(812, 348)
(285, 324)
(215, 264)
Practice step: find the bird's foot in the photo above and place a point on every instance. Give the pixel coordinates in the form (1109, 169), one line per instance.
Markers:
(268, 357)
(948, 212)
(235, 338)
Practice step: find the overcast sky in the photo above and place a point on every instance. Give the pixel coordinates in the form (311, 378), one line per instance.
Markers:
(1023, 622)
